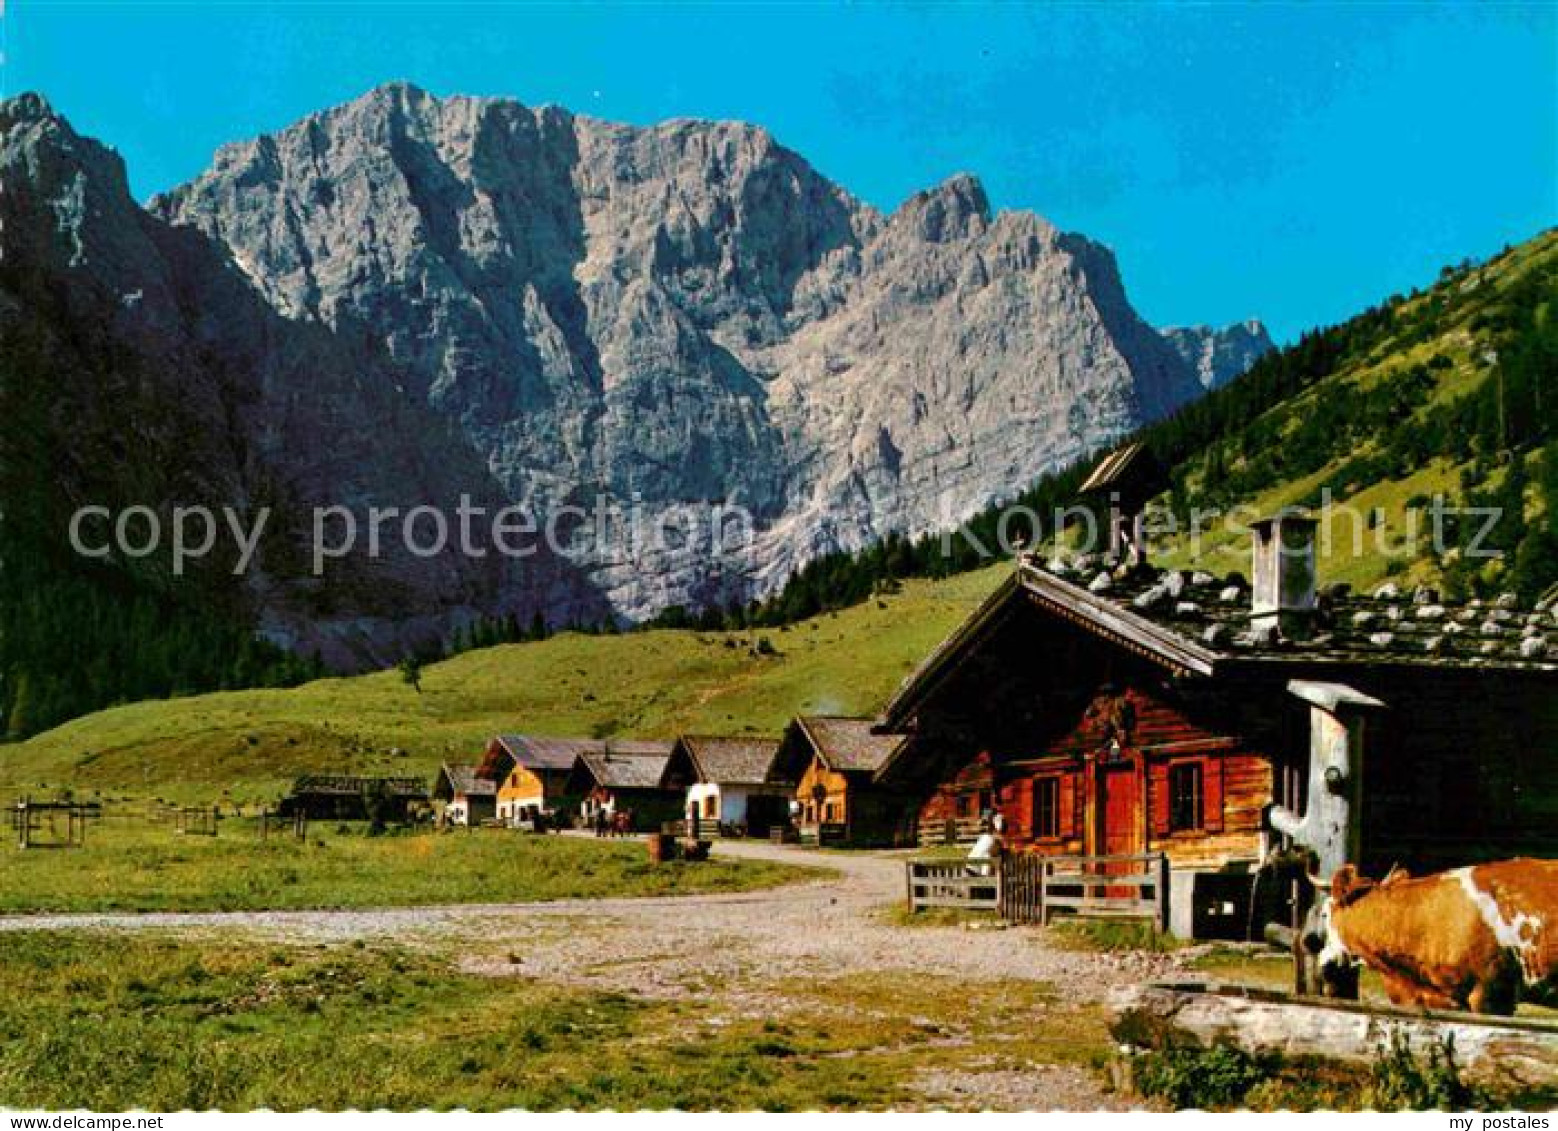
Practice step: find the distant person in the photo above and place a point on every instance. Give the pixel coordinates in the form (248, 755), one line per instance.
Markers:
(600, 821)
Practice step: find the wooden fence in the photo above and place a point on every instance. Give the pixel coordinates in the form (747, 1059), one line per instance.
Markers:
(1029, 888)
(952, 830)
(701, 829)
(815, 836)
(1106, 887)
(971, 885)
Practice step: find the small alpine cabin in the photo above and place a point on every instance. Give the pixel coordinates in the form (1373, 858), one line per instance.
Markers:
(1134, 710)
(345, 797)
(627, 776)
(731, 784)
(531, 772)
(466, 797)
(835, 762)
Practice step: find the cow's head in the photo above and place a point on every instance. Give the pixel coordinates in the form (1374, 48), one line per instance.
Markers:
(1335, 959)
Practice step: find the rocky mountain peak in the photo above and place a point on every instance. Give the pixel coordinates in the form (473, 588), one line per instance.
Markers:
(955, 209)
(560, 309)
(1218, 355)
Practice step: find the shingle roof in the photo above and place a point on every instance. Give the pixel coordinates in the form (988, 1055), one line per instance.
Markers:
(627, 765)
(463, 779)
(847, 745)
(540, 752)
(1388, 625)
(1197, 623)
(732, 761)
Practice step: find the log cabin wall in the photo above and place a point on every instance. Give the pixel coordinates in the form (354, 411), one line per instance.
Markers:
(830, 804)
(1135, 775)
(1460, 766)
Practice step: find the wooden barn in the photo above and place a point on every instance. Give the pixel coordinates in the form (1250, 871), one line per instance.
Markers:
(466, 797)
(532, 772)
(343, 797)
(1136, 710)
(731, 783)
(836, 763)
(627, 776)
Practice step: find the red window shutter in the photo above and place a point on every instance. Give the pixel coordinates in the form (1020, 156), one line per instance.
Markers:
(1212, 786)
(1158, 788)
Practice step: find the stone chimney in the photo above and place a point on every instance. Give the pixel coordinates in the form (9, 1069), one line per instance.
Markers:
(1283, 593)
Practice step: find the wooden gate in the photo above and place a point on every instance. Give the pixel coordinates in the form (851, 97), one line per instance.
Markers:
(1028, 888)
(1022, 888)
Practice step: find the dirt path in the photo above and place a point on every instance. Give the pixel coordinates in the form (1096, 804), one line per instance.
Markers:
(742, 946)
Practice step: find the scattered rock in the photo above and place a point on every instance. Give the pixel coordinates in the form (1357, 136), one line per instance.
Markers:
(1533, 648)
(1101, 582)
(1491, 628)
(1435, 645)
(1390, 591)
(1364, 618)
(1263, 635)
(1187, 609)
(1507, 601)
(1382, 639)
(1217, 635)
(1431, 612)
(1150, 598)
(1423, 595)
(1200, 579)
(1231, 594)
(1174, 583)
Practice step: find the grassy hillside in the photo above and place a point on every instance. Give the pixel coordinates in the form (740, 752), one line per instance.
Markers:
(1446, 392)
(249, 744)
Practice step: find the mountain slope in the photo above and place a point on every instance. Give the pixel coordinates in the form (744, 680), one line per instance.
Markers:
(689, 314)
(406, 302)
(138, 368)
(1446, 393)
(248, 745)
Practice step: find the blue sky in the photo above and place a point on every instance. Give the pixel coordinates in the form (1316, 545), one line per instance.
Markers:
(1289, 162)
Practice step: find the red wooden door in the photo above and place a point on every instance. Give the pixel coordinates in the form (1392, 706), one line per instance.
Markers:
(1120, 812)
(1120, 817)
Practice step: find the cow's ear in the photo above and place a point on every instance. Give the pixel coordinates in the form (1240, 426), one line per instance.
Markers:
(1347, 885)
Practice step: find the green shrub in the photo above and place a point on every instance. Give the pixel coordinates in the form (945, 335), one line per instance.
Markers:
(1221, 1076)
(1401, 1080)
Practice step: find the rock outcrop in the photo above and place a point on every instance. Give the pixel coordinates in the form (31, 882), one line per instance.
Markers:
(1218, 356)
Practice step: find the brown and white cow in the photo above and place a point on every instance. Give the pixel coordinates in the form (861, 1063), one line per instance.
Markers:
(1479, 938)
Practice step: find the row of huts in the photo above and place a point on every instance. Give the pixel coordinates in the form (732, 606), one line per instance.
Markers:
(818, 778)
(1105, 706)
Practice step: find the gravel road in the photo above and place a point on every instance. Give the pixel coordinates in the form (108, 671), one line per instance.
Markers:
(747, 942)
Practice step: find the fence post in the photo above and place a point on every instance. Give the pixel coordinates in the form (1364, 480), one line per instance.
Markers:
(908, 873)
(1162, 892)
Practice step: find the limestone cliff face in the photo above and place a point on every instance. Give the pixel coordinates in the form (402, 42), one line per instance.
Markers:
(690, 313)
(406, 299)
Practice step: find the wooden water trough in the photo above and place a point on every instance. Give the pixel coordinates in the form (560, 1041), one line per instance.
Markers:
(1524, 1050)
